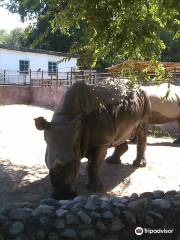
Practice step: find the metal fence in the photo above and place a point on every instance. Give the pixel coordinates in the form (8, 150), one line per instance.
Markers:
(44, 78)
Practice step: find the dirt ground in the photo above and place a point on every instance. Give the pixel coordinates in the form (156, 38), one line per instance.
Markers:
(24, 176)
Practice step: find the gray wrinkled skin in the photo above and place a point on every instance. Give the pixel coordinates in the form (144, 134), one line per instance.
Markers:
(89, 120)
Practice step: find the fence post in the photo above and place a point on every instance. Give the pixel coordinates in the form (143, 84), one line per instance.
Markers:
(174, 76)
(4, 77)
(42, 83)
(90, 75)
(30, 76)
(56, 76)
(71, 75)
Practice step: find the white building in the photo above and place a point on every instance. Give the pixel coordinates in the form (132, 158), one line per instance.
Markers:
(18, 65)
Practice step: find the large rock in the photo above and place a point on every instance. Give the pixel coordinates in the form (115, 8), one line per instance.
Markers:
(162, 203)
(16, 228)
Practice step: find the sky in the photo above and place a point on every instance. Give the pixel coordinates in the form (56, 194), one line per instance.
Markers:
(9, 21)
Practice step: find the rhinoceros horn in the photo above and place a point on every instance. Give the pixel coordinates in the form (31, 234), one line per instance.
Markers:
(41, 123)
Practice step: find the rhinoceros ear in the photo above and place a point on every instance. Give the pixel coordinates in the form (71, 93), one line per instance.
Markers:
(41, 123)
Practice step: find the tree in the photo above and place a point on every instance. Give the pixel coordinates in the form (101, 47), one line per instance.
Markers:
(41, 36)
(172, 51)
(13, 38)
(111, 29)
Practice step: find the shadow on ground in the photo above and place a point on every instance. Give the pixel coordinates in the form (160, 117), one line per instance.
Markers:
(23, 184)
(168, 144)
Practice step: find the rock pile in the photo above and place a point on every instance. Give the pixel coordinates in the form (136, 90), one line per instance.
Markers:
(94, 217)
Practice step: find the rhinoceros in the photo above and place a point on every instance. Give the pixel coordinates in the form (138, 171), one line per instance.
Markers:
(89, 120)
(165, 103)
(165, 108)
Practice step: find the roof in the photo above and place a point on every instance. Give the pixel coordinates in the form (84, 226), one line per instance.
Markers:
(60, 54)
(141, 65)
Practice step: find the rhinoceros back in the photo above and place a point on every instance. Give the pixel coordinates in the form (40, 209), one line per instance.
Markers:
(83, 98)
(165, 102)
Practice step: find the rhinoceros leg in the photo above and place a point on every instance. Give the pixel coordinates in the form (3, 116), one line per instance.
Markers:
(118, 152)
(177, 141)
(141, 134)
(95, 158)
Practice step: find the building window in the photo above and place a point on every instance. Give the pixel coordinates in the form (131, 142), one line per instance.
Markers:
(24, 66)
(52, 67)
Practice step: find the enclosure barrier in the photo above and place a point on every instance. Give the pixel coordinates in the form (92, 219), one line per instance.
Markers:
(45, 78)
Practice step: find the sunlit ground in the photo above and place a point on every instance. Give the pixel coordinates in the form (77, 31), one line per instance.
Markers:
(22, 144)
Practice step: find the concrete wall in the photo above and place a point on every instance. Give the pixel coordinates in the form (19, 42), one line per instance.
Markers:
(47, 96)
(15, 95)
(41, 96)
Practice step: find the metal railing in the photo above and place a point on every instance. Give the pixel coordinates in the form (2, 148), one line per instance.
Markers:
(45, 78)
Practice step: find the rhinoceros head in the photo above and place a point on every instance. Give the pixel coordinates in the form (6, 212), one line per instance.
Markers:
(62, 154)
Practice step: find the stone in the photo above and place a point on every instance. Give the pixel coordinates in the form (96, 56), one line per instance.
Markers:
(155, 214)
(125, 199)
(87, 234)
(107, 215)
(41, 235)
(176, 203)
(61, 212)
(129, 217)
(45, 222)
(53, 236)
(115, 199)
(134, 196)
(162, 203)
(90, 205)
(3, 219)
(105, 205)
(80, 199)
(146, 195)
(84, 217)
(117, 211)
(107, 199)
(66, 207)
(101, 227)
(95, 215)
(27, 209)
(136, 205)
(111, 237)
(117, 224)
(149, 221)
(50, 202)
(158, 193)
(65, 202)
(16, 228)
(119, 205)
(171, 193)
(68, 233)
(95, 198)
(59, 224)
(19, 214)
(72, 219)
(44, 210)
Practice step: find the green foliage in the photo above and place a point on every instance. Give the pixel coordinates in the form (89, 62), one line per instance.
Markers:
(106, 30)
(14, 38)
(172, 51)
(41, 36)
(157, 133)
